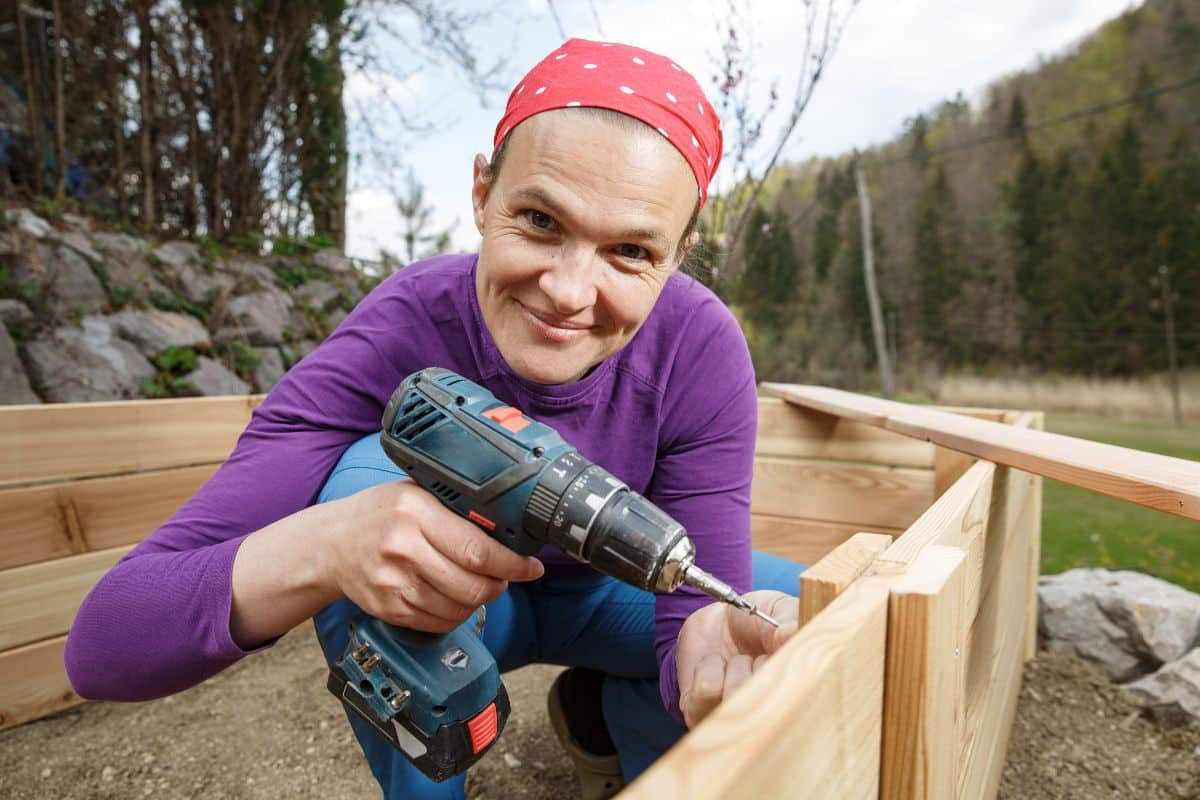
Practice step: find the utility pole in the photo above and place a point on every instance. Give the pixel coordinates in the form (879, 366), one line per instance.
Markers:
(881, 353)
(1164, 276)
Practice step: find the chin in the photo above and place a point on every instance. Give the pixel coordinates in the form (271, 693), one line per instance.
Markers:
(550, 370)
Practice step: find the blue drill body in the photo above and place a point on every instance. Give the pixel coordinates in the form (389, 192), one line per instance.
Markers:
(438, 697)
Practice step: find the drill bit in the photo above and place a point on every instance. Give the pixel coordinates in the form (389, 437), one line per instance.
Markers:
(719, 590)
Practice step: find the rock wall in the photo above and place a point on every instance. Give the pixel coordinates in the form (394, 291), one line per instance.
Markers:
(95, 315)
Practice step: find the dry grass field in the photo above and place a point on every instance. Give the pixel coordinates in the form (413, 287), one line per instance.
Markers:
(1139, 398)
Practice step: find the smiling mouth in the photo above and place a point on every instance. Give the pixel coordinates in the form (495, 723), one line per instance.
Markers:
(547, 326)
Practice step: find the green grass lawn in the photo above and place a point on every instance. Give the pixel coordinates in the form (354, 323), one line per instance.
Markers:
(1084, 529)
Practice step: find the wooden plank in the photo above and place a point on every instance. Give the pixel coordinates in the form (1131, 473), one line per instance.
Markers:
(75, 440)
(805, 541)
(1037, 421)
(35, 682)
(994, 653)
(924, 680)
(792, 431)
(993, 414)
(836, 492)
(956, 519)
(807, 724)
(55, 520)
(1161, 482)
(821, 583)
(39, 601)
(948, 467)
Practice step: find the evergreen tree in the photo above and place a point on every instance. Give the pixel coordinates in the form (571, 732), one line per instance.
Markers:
(938, 262)
(1105, 304)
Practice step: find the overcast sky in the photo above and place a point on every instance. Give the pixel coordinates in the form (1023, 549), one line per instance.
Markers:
(896, 57)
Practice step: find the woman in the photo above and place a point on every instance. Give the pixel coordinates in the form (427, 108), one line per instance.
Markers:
(575, 310)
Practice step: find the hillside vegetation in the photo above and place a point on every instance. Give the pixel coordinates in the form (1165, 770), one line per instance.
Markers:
(1002, 241)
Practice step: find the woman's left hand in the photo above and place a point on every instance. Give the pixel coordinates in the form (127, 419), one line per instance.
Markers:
(720, 646)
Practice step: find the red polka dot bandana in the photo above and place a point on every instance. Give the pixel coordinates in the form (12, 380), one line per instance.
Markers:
(644, 85)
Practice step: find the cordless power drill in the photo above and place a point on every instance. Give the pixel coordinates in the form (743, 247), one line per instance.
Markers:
(437, 698)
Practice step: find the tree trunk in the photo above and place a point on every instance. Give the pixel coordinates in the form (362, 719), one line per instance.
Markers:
(146, 99)
(32, 109)
(60, 126)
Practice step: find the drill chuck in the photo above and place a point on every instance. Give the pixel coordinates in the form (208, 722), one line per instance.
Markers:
(585, 511)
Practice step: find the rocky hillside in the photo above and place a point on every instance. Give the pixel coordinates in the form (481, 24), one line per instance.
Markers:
(96, 315)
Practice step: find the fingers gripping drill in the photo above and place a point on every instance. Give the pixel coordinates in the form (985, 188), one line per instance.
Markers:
(438, 697)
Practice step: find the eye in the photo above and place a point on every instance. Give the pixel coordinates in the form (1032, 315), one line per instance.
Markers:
(539, 219)
(632, 252)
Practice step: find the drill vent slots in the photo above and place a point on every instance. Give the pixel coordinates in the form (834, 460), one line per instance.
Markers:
(445, 493)
(416, 416)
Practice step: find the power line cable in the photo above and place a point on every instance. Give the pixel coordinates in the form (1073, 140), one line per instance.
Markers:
(1070, 116)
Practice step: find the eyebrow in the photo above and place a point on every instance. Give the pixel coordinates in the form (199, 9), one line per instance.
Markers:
(536, 196)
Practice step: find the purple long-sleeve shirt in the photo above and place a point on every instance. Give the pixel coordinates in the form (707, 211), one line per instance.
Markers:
(673, 414)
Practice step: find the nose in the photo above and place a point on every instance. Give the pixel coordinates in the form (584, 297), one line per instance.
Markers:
(570, 281)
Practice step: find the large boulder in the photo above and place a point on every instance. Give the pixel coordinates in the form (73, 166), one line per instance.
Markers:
(332, 261)
(14, 313)
(81, 244)
(28, 223)
(80, 364)
(176, 254)
(14, 385)
(154, 331)
(212, 378)
(61, 278)
(319, 295)
(1172, 694)
(269, 369)
(1128, 623)
(127, 269)
(202, 287)
(259, 275)
(259, 318)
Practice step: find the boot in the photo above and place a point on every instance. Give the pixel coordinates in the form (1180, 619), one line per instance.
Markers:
(578, 722)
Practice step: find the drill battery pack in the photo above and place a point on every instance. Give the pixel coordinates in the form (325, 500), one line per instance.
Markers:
(437, 698)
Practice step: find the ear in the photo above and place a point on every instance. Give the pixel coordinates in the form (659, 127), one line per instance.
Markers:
(480, 188)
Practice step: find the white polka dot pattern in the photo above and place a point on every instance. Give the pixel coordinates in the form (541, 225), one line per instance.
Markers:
(580, 73)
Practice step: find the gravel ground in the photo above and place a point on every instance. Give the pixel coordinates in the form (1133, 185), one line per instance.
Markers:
(267, 728)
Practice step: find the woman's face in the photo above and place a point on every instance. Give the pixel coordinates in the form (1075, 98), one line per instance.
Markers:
(580, 232)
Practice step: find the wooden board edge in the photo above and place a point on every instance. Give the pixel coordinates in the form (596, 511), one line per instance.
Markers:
(821, 583)
(923, 683)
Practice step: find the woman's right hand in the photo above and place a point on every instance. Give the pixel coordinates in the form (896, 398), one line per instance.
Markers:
(401, 556)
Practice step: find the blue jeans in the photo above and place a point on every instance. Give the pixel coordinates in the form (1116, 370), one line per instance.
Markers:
(593, 621)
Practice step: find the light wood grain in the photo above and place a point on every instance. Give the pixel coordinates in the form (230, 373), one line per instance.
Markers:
(35, 682)
(995, 651)
(39, 601)
(75, 440)
(805, 541)
(1161, 482)
(923, 694)
(948, 467)
(807, 724)
(821, 583)
(863, 495)
(956, 519)
(55, 520)
(791, 431)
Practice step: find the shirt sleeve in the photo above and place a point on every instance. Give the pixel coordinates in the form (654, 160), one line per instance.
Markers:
(704, 470)
(158, 621)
